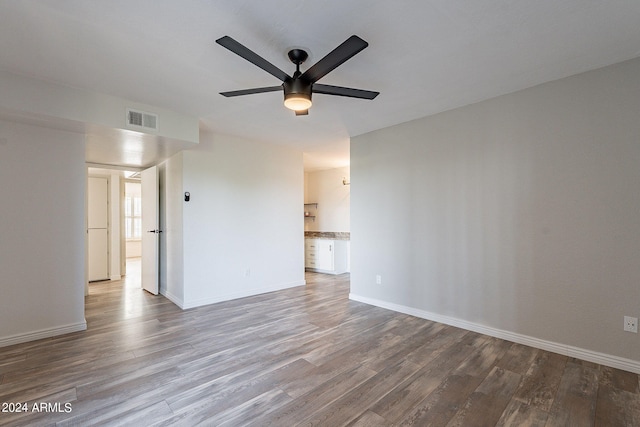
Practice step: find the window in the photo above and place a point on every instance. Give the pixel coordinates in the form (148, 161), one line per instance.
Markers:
(133, 217)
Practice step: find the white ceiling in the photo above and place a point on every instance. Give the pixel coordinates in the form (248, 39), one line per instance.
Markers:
(424, 56)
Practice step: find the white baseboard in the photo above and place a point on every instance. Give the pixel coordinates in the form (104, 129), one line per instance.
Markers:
(43, 333)
(174, 299)
(242, 294)
(564, 349)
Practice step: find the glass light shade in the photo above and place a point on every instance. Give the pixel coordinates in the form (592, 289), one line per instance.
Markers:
(297, 102)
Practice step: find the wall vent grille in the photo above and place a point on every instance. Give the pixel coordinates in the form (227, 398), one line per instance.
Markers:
(141, 119)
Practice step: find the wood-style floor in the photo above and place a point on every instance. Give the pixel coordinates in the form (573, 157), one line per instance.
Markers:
(303, 356)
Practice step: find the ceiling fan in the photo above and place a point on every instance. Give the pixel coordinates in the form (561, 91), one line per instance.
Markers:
(299, 87)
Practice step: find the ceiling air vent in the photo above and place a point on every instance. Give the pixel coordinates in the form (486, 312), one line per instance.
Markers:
(141, 119)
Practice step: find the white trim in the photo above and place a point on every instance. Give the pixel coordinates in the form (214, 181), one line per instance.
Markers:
(242, 294)
(174, 299)
(564, 349)
(43, 333)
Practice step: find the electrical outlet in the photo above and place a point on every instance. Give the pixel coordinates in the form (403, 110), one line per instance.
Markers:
(247, 272)
(378, 279)
(631, 324)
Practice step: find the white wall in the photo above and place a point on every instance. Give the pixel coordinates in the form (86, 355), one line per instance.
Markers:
(242, 230)
(134, 248)
(333, 197)
(42, 232)
(518, 216)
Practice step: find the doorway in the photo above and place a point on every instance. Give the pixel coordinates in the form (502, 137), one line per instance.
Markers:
(113, 240)
(133, 228)
(130, 228)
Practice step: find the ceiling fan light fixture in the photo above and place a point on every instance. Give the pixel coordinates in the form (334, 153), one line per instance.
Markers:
(299, 87)
(297, 101)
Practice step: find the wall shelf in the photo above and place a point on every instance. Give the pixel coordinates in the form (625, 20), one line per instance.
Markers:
(308, 214)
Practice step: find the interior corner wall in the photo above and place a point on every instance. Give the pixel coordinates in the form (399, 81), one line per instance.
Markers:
(519, 214)
(42, 232)
(243, 231)
(326, 188)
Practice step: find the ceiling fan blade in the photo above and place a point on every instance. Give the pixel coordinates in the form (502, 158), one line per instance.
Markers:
(344, 91)
(333, 59)
(302, 113)
(251, 91)
(252, 57)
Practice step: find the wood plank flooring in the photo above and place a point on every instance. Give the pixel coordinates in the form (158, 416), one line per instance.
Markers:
(302, 356)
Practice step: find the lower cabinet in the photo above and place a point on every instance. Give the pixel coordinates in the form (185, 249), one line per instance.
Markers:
(326, 256)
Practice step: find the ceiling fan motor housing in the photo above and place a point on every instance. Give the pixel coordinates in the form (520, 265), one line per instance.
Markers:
(296, 87)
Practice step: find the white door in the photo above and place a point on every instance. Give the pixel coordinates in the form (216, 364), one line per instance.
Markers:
(97, 223)
(150, 229)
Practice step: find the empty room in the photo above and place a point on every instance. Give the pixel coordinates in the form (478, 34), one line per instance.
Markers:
(358, 213)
